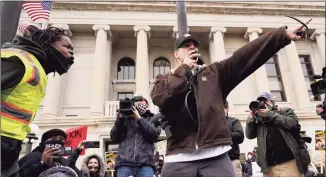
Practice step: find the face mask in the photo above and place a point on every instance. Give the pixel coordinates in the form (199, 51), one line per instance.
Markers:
(141, 108)
(59, 62)
(270, 106)
(53, 144)
(249, 157)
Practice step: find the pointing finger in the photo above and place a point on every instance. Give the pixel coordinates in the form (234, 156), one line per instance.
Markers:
(301, 26)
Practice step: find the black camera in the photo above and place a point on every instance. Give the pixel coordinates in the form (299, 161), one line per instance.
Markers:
(64, 151)
(92, 144)
(125, 106)
(306, 139)
(256, 105)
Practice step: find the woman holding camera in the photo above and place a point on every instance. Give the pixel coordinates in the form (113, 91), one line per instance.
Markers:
(136, 135)
(92, 166)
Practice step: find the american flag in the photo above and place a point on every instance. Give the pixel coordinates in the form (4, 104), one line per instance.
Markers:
(38, 10)
(22, 26)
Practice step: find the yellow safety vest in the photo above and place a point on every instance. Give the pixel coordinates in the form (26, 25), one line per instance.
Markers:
(19, 104)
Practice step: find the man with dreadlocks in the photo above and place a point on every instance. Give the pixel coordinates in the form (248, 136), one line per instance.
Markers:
(24, 65)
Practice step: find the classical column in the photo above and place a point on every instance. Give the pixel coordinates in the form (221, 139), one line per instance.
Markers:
(52, 101)
(301, 91)
(217, 51)
(319, 36)
(142, 61)
(217, 34)
(260, 74)
(175, 32)
(100, 69)
(211, 49)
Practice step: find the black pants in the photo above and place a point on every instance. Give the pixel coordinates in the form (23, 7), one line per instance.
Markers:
(220, 166)
(10, 149)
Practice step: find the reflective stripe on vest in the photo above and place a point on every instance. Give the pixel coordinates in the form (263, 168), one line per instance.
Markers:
(20, 103)
(35, 78)
(15, 113)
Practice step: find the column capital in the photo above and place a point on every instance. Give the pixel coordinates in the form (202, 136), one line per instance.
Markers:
(138, 28)
(65, 27)
(215, 29)
(176, 30)
(316, 33)
(106, 28)
(252, 30)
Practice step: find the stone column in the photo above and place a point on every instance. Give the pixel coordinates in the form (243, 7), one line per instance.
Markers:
(142, 60)
(100, 69)
(260, 75)
(54, 89)
(301, 91)
(217, 52)
(211, 49)
(319, 36)
(175, 32)
(217, 34)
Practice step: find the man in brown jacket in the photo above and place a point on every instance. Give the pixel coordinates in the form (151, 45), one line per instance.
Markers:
(199, 143)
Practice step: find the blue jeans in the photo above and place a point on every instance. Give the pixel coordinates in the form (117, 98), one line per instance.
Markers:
(126, 171)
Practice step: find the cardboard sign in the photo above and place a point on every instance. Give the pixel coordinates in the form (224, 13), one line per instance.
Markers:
(75, 136)
(320, 144)
(110, 157)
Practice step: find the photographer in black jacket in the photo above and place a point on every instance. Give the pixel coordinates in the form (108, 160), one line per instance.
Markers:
(136, 135)
(45, 156)
(277, 131)
(237, 134)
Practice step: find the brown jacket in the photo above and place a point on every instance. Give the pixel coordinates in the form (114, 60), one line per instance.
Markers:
(213, 85)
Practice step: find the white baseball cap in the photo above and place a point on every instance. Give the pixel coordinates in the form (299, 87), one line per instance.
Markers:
(142, 95)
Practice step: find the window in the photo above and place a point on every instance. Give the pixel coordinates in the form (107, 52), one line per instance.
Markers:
(308, 74)
(161, 66)
(275, 79)
(123, 95)
(126, 69)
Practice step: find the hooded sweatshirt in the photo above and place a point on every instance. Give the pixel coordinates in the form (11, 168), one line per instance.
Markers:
(12, 71)
(30, 165)
(84, 171)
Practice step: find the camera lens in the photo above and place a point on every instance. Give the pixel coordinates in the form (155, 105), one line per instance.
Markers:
(254, 106)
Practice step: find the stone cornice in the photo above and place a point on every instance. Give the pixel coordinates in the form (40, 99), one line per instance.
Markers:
(95, 121)
(210, 8)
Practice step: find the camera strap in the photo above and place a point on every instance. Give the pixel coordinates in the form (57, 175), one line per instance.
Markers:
(190, 100)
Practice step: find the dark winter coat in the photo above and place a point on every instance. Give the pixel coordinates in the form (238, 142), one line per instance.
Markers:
(237, 135)
(136, 140)
(285, 120)
(212, 85)
(30, 165)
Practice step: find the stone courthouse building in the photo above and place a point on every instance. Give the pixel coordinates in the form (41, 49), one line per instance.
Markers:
(121, 46)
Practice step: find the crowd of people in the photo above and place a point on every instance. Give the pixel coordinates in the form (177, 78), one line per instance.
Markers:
(202, 139)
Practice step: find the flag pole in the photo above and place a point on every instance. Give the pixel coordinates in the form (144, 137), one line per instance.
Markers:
(11, 10)
(44, 24)
(182, 17)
